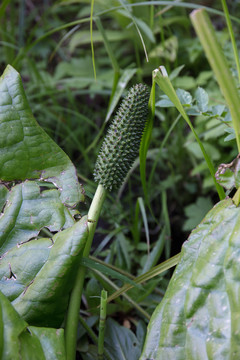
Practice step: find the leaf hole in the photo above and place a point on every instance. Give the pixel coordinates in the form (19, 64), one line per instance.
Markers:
(11, 273)
(29, 331)
(44, 186)
(24, 242)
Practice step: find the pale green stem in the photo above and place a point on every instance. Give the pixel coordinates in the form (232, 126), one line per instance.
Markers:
(128, 298)
(93, 336)
(216, 58)
(75, 298)
(102, 320)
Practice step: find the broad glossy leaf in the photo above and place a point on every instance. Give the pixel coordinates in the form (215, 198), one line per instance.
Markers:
(29, 209)
(3, 195)
(199, 316)
(52, 341)
(26, 151)
(38, 275)
(35, 274)
(20, 341)
(20, 265)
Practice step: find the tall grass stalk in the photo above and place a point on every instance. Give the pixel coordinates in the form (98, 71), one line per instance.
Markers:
(231, 33)
(218, 62)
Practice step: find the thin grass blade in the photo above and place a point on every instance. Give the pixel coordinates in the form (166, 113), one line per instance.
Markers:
(121, 85)
(145, 221)
(92, 264)
(146, 141)
(157, 270)
(156, 252)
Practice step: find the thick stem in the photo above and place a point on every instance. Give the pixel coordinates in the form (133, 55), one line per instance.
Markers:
(93, 215)
(75, 298)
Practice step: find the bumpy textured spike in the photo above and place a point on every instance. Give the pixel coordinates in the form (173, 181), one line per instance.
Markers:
(121, 144)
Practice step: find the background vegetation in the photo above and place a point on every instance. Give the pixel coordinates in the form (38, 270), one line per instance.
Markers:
(76, 67)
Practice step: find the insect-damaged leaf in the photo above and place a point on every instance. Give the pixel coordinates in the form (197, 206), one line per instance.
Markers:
(199, 317)
(27, 211)
(26, 151)
(38, 275)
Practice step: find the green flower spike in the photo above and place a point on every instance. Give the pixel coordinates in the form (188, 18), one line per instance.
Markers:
(121, 144)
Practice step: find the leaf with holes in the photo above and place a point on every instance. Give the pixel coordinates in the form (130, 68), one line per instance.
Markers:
(29, 209)
(37, 276)
(41, 242)
(26, 151)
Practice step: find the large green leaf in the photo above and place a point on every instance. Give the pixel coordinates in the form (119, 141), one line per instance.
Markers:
(38, 192)
(199, 316)
(38, 275)
(20, 341)
(52, 341)
(26, 151)
(29, 209)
